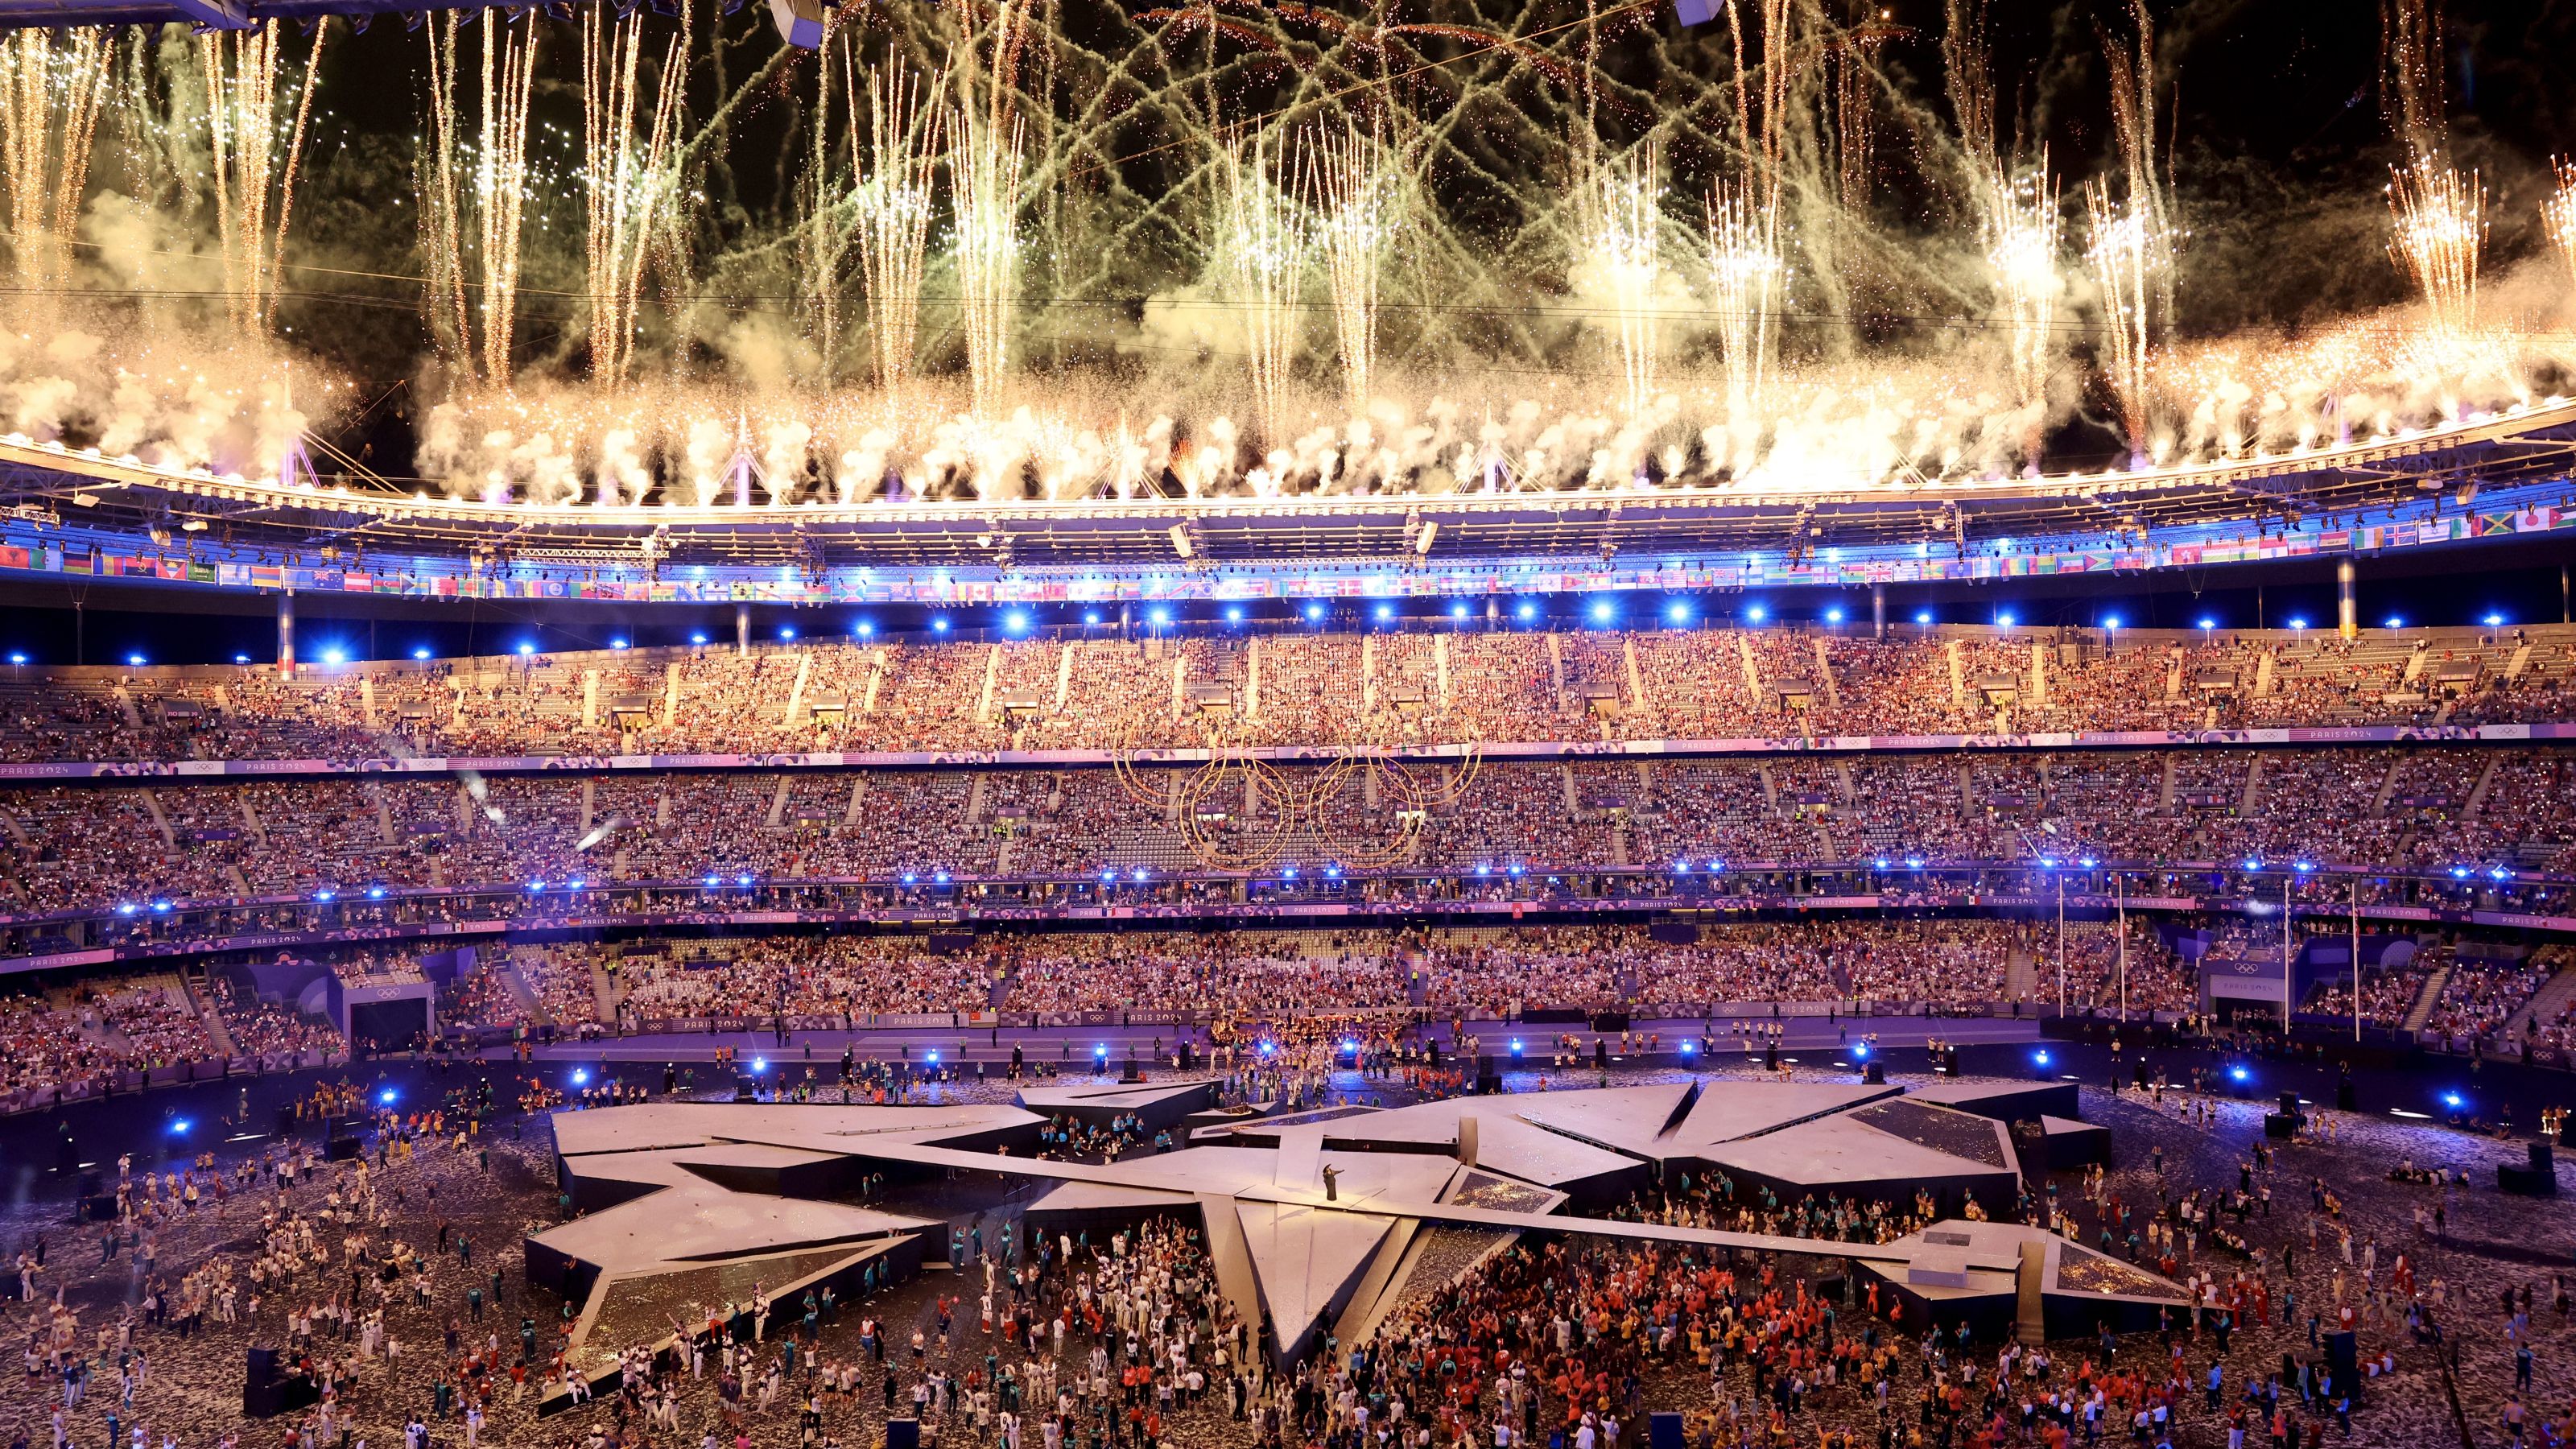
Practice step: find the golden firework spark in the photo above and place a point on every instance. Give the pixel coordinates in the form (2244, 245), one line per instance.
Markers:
(1351, 182)
(2558, 216)
(894, 172)
(2441, 227)
(473, 207)
(2022, 234)
(986, 162)
(627, 180)
(1622, 239)
(2125, 256)
(51, 82)
(253, 166)
(1265, 240)
(1747, 278)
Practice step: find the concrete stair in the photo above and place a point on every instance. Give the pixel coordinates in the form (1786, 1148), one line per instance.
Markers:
(2422, 1010)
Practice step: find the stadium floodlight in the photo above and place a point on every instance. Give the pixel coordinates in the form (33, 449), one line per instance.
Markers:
(2207, 624)
(1091, 618)
(2006, 619)
(867, 629)
(21, 659)
(1677, 611)
(1833, 616)
(1923, 617)
(1527, 611)
(618, 643)
(335, 655)
(134, 661)
(1385, 612)
(1458, 610)
(2298, 625)
(1161, 618)
(1016, 621)
(787, 631)
(1234, 613)
(939, 625)
(1601, 611)
(2493, 621)
(420, 654)
(526, 648)
(1757, 613)
(2111, 621)
(1314, 613)
(2396, 621)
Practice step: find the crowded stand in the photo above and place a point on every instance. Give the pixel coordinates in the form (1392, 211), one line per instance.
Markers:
(260, 1027)
(1312, 688)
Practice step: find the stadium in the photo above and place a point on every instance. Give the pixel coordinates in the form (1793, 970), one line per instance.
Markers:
(1020, 725)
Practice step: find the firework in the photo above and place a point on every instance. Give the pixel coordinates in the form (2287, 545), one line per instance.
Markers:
(2440, 217)
(2021, 236)
(1855, 104)
(251, 165)
(986, 161)
(51, 82)
(627, 180)
(1622, 241)
(2411, 62)
(473, 206)
(894, 172)
(1265, 241)
(2132, 70)
(2558, 216)
(2125, 256)
(1352, 185)
(1747, 279)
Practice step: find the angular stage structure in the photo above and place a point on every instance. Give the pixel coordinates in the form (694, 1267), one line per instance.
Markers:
(1321, 1221)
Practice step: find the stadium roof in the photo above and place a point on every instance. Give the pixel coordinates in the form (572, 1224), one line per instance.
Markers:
(45, 484)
